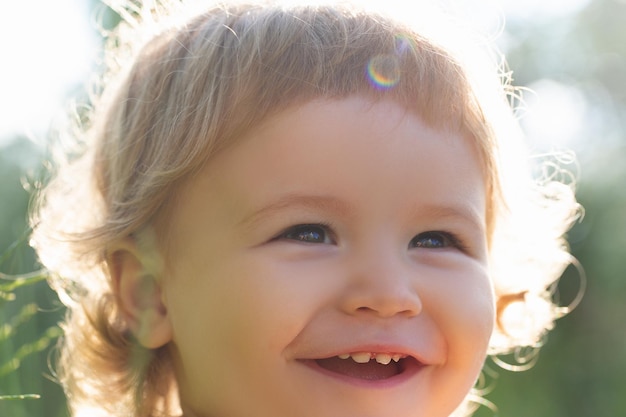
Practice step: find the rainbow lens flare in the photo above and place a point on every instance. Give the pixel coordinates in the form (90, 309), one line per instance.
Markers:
(383, 71)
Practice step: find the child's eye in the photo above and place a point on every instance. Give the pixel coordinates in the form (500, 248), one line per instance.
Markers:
(435, 240)
(307, 233)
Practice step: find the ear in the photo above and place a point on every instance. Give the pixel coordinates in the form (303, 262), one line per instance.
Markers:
(138, 293)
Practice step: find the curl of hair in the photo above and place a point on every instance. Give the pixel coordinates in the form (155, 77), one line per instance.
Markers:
(175, 92)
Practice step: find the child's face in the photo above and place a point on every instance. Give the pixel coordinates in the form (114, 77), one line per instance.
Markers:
(336, 228)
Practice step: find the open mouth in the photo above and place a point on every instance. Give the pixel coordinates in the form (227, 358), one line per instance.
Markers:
(367, 366)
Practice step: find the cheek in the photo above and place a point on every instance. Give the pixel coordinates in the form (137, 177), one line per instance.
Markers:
(246, 304)
(464, 307)
(228, 332)
(285, 296)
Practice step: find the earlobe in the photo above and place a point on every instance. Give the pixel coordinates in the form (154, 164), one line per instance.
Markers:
(138, 293)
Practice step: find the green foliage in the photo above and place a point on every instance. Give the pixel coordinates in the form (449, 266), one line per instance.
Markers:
(29, 310)
(24, 318)
(25, 338)
(25, 314)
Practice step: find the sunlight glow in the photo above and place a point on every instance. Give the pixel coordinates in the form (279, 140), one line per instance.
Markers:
(529, 9)
(556, 115)
(47, 48)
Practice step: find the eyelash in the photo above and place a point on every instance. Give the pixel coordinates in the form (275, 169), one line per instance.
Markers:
(308, 233)
(320, 233)
(447, 240)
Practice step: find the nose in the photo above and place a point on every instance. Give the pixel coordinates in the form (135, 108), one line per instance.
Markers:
(382, 285)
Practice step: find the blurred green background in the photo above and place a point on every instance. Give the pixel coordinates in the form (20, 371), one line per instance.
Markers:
(572, 54)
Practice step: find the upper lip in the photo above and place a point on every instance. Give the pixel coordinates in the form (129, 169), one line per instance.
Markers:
(418, 341)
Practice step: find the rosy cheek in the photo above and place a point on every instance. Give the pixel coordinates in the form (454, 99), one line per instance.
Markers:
(464, 304)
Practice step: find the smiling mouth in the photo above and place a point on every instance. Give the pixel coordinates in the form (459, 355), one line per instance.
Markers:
(366, 366)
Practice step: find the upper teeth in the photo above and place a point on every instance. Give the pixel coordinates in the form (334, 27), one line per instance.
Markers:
(364, 357)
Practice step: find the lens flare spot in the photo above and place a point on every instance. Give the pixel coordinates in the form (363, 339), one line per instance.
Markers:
(403, 45)
(383, 71)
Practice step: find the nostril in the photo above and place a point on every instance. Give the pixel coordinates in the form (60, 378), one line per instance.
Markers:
(389, 312)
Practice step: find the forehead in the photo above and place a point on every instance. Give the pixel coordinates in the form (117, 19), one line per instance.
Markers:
(353, 155)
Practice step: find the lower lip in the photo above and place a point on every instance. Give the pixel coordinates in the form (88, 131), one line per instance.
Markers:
(410, 369)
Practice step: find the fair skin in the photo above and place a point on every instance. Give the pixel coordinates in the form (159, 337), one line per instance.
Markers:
(343, 228)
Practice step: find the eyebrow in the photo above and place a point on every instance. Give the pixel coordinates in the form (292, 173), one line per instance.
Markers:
(324, 203)
(464, 212)
(333, 205)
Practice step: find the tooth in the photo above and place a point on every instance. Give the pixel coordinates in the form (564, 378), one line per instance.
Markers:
(383, 358)
(344, 356)
(396, 357)
(361, 357)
